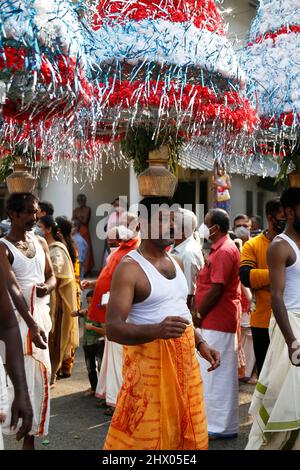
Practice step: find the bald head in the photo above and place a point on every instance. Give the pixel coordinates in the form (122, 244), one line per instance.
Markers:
(218, 217)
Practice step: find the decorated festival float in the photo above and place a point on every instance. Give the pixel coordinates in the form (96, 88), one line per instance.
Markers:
(271, 62)
(168, 80)
(43, 80)
(155, 79)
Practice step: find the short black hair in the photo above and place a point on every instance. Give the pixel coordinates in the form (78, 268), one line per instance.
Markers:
(221, 218)
(49, 222)
(90, 293)
(65, 227)
(290, 198)
(273, 206)
(16, 202)
(241, 216)
(47, 207)
(153, 202)
(257, 219)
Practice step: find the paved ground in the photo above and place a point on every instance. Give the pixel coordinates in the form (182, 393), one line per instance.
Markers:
(76, 422)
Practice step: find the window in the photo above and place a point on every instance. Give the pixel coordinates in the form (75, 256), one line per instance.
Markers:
(260, 204)
(249, 203)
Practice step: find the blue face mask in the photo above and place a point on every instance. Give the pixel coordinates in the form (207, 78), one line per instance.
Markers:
(39, 231)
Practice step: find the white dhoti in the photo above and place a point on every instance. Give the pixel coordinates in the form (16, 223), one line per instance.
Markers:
(37, 367)
(1, 439)
(110, 375)
(276, 400)
(221, 390)
(3, 398)
(247, 345)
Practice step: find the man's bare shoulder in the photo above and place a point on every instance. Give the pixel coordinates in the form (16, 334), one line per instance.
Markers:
(4, 250)
(127, 270)
(279, 248)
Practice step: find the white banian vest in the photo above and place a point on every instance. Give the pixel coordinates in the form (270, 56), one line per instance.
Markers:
(28, 271)
(291, 294)
(167, 298)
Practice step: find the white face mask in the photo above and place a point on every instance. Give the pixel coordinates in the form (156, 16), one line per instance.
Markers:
(204, 231)
(125, 233)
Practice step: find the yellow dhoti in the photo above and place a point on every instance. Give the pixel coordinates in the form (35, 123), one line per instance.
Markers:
(160, 405)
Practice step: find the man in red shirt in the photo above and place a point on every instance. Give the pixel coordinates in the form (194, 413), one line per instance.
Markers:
(216, 302)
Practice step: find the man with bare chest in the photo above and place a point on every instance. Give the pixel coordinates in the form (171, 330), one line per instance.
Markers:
(34, 279)
(83, 214)
(160, 405)
(275, 403)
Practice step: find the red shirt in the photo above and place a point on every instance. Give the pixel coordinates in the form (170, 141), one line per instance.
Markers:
(96, 311)
(222, 267)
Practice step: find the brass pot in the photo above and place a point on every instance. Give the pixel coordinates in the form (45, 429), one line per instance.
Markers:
(20, 180)
(157, 181)
(294, 179)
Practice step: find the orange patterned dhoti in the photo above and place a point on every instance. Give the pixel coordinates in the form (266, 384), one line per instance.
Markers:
(160, 405)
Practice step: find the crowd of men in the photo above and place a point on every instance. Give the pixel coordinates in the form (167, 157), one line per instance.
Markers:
(177, 316)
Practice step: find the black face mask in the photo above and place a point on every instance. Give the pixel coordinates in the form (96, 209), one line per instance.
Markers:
(279, 225)
(296, 224)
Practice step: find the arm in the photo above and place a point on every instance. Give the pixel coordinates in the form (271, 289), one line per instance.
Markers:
(85, 285)
(277, 260)
(220, 271)
(121, 299)
(249, 274)
(10, 335)
(228, 183)
(97, 329)
(38, 336)
(79, 313)
(208, 353)
(211, 299)
(247, 293)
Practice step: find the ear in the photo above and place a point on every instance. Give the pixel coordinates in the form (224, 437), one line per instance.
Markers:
(289, 212)
(10, 214)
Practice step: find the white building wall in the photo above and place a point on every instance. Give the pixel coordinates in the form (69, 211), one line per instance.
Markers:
(114, 183)
(59, 191)
(62, 192)
(240, 185)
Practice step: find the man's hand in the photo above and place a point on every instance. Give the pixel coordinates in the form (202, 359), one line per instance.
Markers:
(75, 314)
(197, 320)
(42, 290)
(84, 285)
(211, 355)
(294, 352)
(172, 327)
(38, 336)
(21, 409)
(89, 326)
